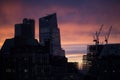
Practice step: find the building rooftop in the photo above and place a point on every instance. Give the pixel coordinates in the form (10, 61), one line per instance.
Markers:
(111, 49)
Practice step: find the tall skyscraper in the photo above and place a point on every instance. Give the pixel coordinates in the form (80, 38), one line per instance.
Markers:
(25, 30)
(48, 30)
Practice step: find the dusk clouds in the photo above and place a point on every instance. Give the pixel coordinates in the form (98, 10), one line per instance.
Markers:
(77, 19)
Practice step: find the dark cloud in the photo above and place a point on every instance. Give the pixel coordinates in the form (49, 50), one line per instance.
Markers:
(75, 48)
(80, 12)
(76, 11)
(55, 2)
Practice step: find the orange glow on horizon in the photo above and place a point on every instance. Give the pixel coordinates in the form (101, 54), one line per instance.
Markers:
(76, 58)
(6, 33)
(70, 34)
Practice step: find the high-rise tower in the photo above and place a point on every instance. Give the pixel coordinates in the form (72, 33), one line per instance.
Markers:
(49, 31)
(25, 32)
(26, 29)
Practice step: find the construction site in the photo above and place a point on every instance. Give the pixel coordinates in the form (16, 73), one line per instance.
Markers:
(102, 59)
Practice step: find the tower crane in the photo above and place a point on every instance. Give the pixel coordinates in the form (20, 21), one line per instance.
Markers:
(107, 36)
(96, 37)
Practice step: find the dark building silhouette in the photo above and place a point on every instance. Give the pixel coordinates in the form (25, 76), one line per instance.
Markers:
(26, 29)
(93, 52)
(49, 31)
(24, 58)
(102, 62)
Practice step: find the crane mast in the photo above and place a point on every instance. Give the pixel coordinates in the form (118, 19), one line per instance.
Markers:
(96, 37)
(107, 36)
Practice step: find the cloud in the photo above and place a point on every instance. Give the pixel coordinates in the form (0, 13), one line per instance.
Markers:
(5, 33)
(10, 13)
(77, 19)
(77, 55)
(75, 48)
(76, 58)
(69, 11)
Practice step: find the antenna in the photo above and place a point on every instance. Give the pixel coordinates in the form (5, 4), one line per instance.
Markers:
(107, 36)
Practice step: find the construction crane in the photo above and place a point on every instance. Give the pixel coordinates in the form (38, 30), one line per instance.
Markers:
(107, 36)
(96, 37)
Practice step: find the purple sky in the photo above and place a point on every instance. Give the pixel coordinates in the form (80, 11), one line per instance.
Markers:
(78, 20)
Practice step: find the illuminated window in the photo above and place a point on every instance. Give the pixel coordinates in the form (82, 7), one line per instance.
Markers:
(25, 70)
(8, 70)
(105, 70)
(113, 71)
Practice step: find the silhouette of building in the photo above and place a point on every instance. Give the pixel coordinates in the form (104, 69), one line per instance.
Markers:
(104, 62)
(24, 58)
(49, 31)
(26, 29)
(93, 52)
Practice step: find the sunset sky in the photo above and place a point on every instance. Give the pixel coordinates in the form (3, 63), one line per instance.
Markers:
(78, 20)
